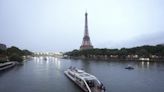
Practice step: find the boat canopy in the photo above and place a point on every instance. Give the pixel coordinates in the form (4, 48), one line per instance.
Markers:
(83, 75)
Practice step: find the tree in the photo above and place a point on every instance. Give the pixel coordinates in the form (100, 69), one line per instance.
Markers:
(15, 57)
(142, 51)
(26, 52)
(14, 50)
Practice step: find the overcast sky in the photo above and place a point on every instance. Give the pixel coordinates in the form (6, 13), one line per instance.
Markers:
(58, 25)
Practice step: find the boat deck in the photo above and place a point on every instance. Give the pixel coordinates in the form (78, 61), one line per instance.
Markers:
(79, 76)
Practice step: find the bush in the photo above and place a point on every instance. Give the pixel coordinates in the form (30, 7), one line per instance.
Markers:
(15, 57)
(2, 61)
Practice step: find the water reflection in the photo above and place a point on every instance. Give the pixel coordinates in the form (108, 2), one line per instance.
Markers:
(46, 75)
(57, 63)
(149, 65)
(57, 67)
(145, 65)
(85, 64)
(47, 64)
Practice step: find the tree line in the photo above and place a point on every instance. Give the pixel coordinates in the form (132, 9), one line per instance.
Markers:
(145, 51)
(13, 54)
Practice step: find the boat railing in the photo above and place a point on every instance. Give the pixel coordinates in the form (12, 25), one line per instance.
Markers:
(87, 86)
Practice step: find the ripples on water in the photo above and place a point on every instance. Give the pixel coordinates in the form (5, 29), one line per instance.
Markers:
(39, 75)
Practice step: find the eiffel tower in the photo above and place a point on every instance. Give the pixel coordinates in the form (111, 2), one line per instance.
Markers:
(86, 43)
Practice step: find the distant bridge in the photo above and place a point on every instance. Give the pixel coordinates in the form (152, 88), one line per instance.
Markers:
(46, 54)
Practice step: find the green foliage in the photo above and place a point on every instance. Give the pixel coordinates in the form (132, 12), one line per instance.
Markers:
(14, 50)
(14, 54)
(15, 57)
(142, 51)
(26, 52)
(2, 52)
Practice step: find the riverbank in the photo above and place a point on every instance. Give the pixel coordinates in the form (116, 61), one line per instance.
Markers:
(142, 53)
(99, 58)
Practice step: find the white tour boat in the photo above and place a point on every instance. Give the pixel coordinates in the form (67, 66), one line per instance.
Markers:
(87, 82)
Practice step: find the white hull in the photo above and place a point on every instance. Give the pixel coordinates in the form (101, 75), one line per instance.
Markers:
(83, 80)
(84, 89)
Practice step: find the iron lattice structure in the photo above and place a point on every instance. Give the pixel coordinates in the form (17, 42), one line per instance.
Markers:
(86, 43)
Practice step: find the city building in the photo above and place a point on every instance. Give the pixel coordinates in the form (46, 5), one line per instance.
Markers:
(86, 43)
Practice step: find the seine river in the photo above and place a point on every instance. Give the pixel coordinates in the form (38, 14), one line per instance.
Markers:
(39, 75)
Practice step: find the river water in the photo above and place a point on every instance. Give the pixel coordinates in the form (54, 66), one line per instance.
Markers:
(39, 75)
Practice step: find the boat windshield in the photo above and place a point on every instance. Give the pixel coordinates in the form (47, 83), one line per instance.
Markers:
(93, 83)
